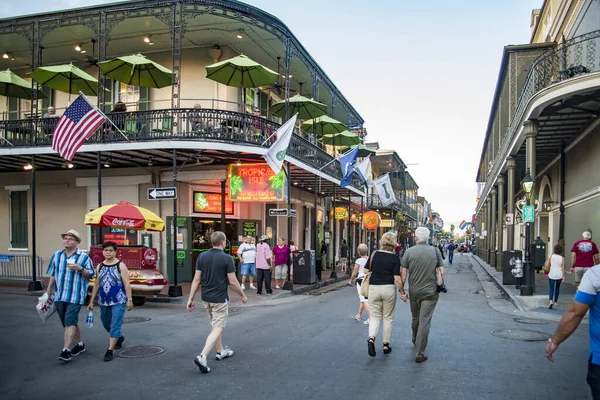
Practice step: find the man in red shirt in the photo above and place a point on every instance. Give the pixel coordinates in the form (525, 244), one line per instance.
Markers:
(584, 255)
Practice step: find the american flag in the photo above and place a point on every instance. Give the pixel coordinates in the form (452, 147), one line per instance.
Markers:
(76, 125)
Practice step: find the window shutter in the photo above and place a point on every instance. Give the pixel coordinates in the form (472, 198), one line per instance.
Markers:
(14, 108)
(18, 218)
(144, 98)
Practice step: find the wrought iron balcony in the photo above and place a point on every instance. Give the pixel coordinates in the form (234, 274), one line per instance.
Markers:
(373, 201)
(178, 124)
(567, 60)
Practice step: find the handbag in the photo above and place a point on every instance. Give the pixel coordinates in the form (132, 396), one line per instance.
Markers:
(440, 288)
(364, 285)
(547, 267)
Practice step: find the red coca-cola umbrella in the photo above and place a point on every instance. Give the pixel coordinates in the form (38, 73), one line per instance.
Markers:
(125, 215)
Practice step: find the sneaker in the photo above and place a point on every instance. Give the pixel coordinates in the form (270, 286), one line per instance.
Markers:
(65, 355)
(200, 361)
(243, 287)
(227, 352)
(252, 286)
(77, 349)
(277, 287)
(269, 294)
(119, 343)
(108, 356)
(259, 294)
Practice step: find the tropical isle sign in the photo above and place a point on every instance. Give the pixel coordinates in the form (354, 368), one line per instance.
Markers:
(256, 182)
(341, 213)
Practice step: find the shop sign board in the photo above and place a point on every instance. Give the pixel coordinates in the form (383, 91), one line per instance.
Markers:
(256, 182)
(387, 223)
(341, 213)
(249, 228)
(210, 203)
(371, 219)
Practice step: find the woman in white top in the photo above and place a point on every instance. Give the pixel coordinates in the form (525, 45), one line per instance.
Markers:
(359, 273)
(556, 276)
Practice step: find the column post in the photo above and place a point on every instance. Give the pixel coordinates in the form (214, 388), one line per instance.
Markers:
(500, 223)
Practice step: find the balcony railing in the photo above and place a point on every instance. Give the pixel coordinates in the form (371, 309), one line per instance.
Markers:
(373, 201)
(567, 60)
(178, 124)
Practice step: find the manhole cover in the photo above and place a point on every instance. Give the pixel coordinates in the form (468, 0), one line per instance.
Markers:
(141, 352)
(531, 321)
(521, 334)
(135, 320)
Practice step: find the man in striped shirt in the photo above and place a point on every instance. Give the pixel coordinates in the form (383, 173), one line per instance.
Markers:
(70, 270)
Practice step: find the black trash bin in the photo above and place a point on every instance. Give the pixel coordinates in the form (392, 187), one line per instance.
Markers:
(508, 263)
(304, 267)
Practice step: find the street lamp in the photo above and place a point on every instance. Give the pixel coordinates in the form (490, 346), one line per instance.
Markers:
(527, 288)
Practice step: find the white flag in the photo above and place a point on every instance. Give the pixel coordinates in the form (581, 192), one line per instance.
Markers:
(364, 171)
(385, 190)
(276, 153)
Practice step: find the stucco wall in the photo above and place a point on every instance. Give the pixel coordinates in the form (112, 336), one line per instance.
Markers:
(582, 164)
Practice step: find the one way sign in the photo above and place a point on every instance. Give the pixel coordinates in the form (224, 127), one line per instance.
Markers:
(162, 193)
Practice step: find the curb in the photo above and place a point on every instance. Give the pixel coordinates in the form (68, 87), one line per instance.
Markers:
(515, 302)
(283, 295)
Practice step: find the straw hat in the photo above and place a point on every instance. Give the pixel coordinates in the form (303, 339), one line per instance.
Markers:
(72, 232)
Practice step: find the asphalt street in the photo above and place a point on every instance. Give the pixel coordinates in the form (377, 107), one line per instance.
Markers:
(302, 347)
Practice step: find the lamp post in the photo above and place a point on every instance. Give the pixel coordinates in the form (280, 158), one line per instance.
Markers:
(527, 287)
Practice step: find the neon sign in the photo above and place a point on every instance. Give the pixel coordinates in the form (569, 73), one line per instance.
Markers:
(256, 182)
(341, 213)
(210, 203)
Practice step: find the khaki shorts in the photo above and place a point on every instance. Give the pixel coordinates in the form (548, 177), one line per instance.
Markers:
(579, 272)
(343, 261)
(218, 313)
(281, 271)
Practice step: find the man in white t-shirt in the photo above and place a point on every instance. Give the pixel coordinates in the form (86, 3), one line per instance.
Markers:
(247, 254)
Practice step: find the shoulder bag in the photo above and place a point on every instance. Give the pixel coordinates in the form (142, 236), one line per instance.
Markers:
(364, 285)
(547, 266)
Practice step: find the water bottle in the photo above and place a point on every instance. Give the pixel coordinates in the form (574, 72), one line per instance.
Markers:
(89, 321)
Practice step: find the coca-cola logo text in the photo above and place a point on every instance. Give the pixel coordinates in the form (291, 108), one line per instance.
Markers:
(150, 257)
(123, 222)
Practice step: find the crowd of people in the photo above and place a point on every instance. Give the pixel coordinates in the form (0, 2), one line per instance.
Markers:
(421, 266)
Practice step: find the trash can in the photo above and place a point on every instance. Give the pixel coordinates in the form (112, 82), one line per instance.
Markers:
(304, 267)
(508, 263)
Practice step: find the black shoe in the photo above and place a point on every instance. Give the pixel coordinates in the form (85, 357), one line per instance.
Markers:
(108, 356)
(119, 343)
(65, 355)
(77, 349)
(372, 352)
(387, 349)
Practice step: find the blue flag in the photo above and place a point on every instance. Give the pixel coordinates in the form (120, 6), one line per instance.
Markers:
(347, 162)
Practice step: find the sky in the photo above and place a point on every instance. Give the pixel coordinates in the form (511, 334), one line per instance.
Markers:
(421, 74)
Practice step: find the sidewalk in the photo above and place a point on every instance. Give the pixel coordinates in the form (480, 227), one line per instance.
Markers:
(539, 301)
(20, 288)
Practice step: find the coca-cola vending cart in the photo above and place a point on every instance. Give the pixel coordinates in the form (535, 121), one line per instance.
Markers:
(144, 276)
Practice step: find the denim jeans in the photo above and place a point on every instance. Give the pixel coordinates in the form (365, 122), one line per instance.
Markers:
(450, 256)
(554, 289)
(112, 319)
(593, 379)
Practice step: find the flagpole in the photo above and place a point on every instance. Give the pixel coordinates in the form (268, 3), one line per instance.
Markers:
(104, 115)
(274, 133)
(336, 159)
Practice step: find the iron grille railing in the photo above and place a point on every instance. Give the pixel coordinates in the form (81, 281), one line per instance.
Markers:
(18, 266)
(564, 61)
(179, 124)
(373, 201)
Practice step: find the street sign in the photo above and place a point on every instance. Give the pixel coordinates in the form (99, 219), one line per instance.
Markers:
(528, 213)
(282, 212)
(167, 193)
(510, 219)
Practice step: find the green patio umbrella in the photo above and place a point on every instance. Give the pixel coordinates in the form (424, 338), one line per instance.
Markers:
(241, 72)
(305, 107)
(323, 125)
(345, 138)
(363, 151)
(12, 85)
(66, 78)
(137, 70)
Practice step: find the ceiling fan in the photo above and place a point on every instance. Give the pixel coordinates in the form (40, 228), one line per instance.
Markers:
(278, 87)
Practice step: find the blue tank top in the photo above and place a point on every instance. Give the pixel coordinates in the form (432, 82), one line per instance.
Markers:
(112, 290)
